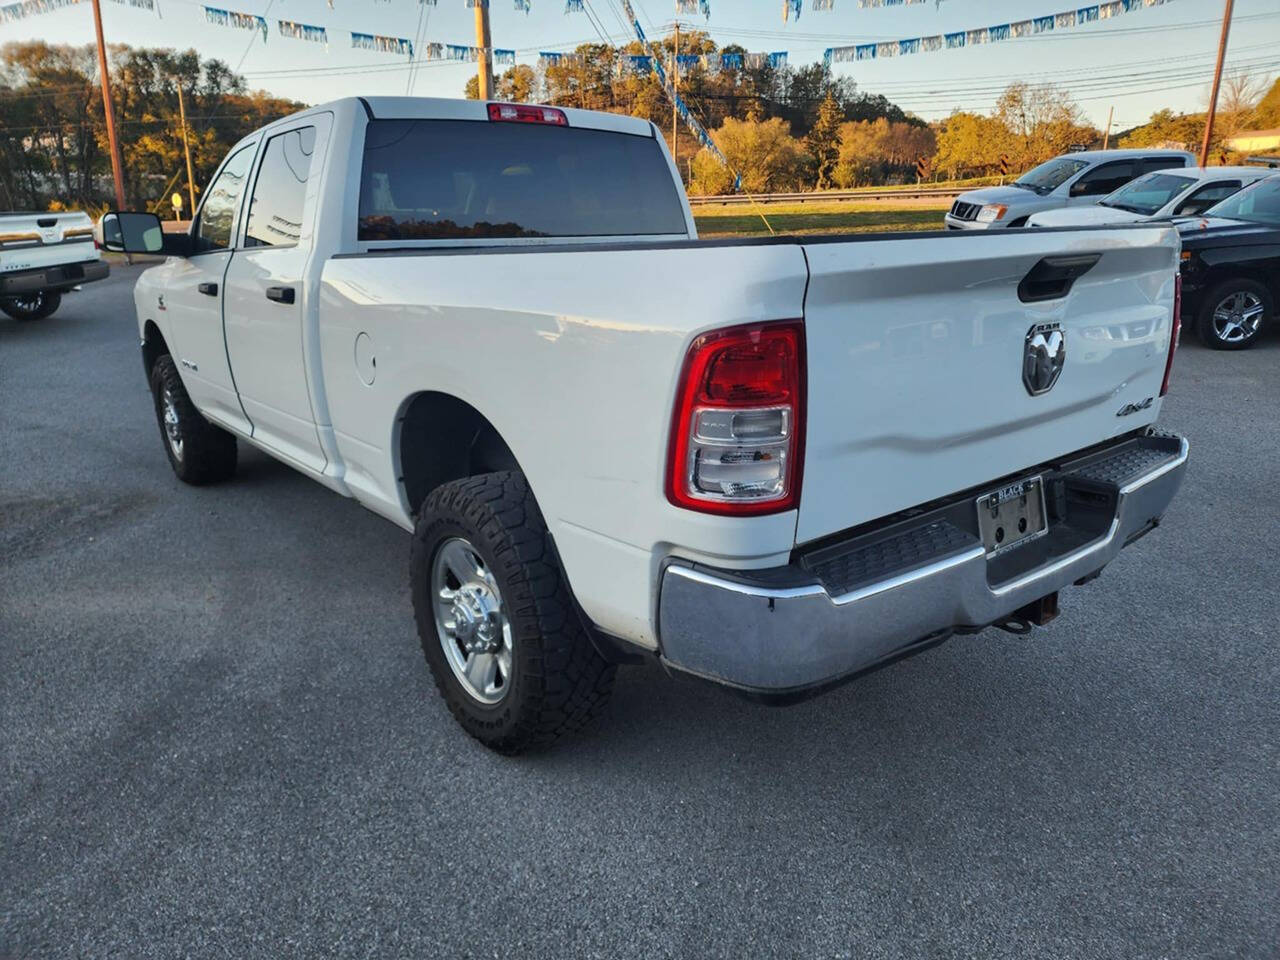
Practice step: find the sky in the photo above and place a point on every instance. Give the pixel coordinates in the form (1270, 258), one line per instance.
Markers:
(1157, 57)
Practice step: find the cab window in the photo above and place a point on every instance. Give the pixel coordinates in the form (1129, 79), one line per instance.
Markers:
(1103, 178)
(275, 210)
(1206, 197)
(218, 215)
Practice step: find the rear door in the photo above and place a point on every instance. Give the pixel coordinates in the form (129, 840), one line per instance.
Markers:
(916, 357)
(266, 298)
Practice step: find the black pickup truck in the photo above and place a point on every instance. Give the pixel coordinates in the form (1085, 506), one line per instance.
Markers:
(1231, 267)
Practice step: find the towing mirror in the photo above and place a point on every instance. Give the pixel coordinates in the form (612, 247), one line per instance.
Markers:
(131, 232)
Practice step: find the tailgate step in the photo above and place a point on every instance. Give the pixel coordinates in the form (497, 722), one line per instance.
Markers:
(846, 567)
(1116, 468)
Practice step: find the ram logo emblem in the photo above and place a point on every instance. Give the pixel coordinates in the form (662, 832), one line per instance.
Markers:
(1043, 354)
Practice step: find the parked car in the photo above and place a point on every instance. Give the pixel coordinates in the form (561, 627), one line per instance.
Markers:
(1156, 196)
(1073, 179)
(1231, 266)
(42, 256)
(494, 325)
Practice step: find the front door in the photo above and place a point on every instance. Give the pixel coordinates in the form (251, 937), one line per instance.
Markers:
(194, 294)
(266, 301)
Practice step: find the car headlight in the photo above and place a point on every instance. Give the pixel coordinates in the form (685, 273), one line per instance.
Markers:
(992, 212)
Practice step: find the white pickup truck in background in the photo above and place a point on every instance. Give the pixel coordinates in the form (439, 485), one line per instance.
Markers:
(773, 464)
(43, 255)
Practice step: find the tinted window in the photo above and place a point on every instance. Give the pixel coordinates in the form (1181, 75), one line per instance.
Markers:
(1163, 163)
(275, 212)
(1206, 197)
(218, 215)
(1102, 179)
(1051, 174)
(1259, 203)
(1148, 194)
(432, 179)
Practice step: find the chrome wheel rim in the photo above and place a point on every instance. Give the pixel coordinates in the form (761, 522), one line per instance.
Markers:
(172, 429)
(471, 621)
(29, 303)
(1237, 317)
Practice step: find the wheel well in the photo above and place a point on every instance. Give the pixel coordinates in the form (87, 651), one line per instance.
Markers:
(442, 439)
(153, 346)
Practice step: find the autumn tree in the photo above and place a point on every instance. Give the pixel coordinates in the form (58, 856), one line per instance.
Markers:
(518, 84)
(1267, 112)
(970, 144)
(765, 154)
(1041, 121)
(875, 151)
(823, 141)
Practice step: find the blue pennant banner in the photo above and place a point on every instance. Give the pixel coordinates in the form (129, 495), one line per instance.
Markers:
(524, 6)
(1066, 20)
(233, 18)
(370, 41)
(506, 58)
(303, 31)
(791, 9)
(30, 8)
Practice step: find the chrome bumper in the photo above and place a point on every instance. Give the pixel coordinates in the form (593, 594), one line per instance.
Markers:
(776, 635)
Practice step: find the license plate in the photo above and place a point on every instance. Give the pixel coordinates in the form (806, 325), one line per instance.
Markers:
(1012, 515)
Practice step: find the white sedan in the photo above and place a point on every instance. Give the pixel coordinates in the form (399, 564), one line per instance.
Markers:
(1156, 196)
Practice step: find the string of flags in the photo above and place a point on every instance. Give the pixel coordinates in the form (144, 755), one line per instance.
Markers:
(694, 6)
(303, 31)
(1065, 20)
(30, 8)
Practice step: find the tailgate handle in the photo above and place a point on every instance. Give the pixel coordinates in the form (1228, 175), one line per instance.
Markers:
(1052, 277)
(47, 222)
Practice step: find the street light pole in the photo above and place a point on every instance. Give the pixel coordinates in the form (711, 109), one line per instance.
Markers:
(1217, 80)
(117, 168)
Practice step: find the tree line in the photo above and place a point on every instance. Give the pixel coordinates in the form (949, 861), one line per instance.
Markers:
(53, 142)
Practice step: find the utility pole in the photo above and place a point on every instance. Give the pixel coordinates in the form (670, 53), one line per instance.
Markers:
(1106, 137)
(186, 147)
(675, 114)
(485, 72)
(1217, 80)
(117, 168)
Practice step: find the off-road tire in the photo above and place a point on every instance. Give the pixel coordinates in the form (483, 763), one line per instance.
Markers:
(208, 451)
(559, 681)
(1204, 322)
(46, 302)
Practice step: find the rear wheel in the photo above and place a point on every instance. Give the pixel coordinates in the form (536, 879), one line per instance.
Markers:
(32, 306)
(499, 630)
(198, 451)
(1233, 314)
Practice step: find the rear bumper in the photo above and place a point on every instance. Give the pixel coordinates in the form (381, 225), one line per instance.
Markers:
(852, 606)
(60, 277)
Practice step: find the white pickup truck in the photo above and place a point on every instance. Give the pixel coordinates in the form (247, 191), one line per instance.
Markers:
(772, 464)
(43, 255)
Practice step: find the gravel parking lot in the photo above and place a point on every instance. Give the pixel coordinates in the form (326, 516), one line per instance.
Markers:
(220, 738)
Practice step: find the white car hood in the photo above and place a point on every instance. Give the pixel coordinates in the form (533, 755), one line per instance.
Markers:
(1084, 216)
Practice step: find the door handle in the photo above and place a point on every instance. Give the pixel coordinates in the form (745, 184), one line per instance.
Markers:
(280, 294)
(208, 289)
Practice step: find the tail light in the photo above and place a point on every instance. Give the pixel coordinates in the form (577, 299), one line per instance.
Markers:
(737, 436)
(527, 113)
(1174, 332)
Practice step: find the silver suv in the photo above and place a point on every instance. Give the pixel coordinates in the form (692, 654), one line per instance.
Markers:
(1068, 180)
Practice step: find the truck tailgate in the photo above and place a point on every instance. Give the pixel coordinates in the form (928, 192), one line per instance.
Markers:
(916, 355)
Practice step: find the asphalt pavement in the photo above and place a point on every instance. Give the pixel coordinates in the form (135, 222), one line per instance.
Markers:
(219, 736)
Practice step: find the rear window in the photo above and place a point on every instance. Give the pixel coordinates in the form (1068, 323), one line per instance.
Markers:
(440, 179)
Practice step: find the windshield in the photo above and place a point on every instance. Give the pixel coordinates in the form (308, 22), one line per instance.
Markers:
(1147, 194)
(1259, 203)
(1050, 174)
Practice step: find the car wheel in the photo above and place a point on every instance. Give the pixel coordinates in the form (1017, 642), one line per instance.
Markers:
(32, 306)
(198, 451)
(1233, 313)
(506, 646)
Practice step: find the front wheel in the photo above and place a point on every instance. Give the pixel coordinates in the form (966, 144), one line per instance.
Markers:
(499, 629)
(1233, 314)
(198, 451)
(32, 306)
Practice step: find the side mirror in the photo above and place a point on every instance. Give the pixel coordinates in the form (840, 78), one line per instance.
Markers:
(129, 232)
